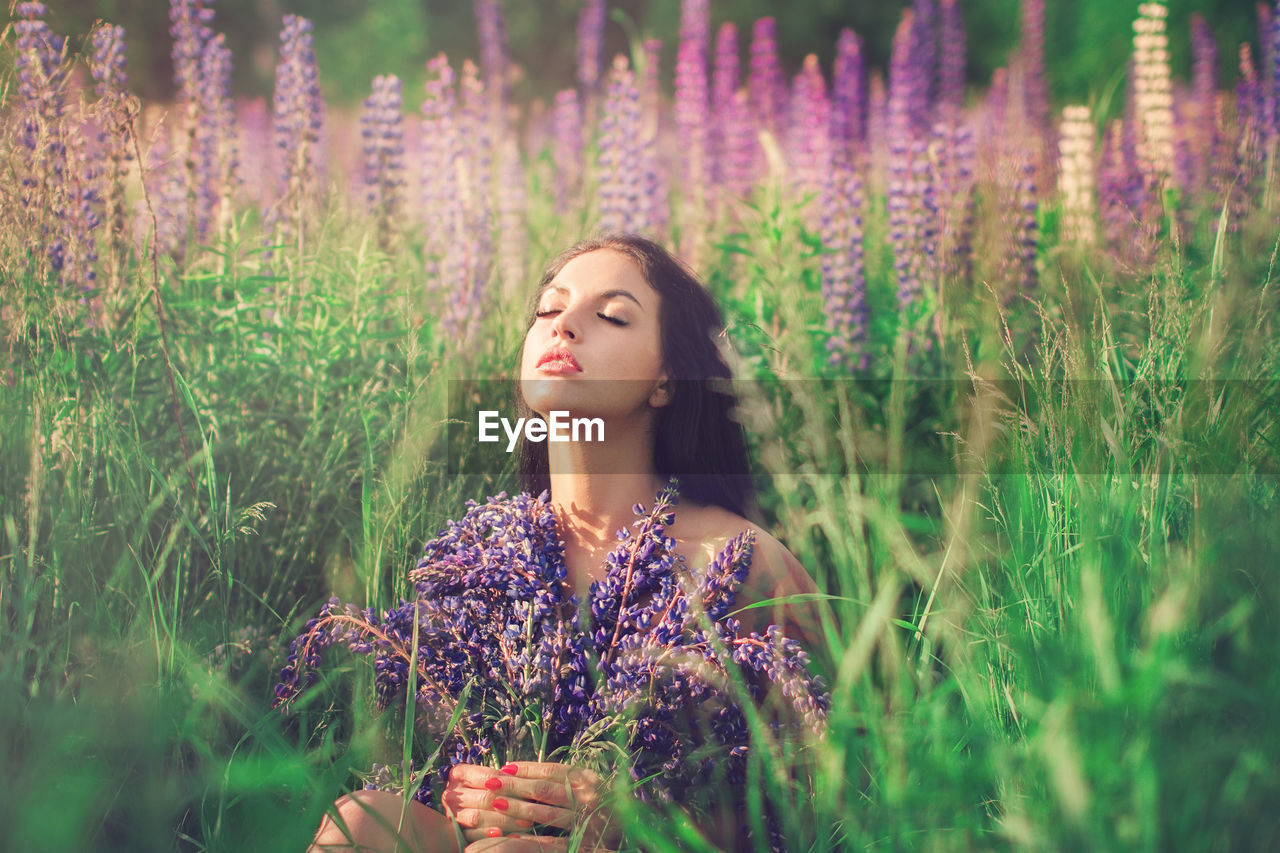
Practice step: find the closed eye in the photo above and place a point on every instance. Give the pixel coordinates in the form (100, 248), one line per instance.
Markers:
(617, 321)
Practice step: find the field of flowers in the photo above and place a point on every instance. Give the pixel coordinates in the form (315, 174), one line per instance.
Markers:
(1010, 371)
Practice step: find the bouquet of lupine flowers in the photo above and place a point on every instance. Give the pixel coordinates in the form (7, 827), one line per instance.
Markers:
(506, 666)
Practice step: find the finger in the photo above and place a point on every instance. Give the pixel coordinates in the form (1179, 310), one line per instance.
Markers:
(518, 844)
(489, 831)
(472, 798)
(512, 810)
(550, 770)
(546, 791)
(471, 775)
(553, 783)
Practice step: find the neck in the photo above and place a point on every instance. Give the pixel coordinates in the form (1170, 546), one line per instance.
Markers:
(594, 486)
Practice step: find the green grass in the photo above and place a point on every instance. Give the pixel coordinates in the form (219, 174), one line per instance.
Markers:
(1050, 541)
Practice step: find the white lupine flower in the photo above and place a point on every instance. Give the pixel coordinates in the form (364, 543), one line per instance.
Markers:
(1075, 174)
(1153, 90)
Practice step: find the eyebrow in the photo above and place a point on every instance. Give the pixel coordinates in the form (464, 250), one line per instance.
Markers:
(608, 294)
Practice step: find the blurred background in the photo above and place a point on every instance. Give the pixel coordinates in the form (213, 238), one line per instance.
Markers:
(1087, 41)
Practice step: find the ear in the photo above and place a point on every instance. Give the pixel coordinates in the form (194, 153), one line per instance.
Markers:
(662, 394)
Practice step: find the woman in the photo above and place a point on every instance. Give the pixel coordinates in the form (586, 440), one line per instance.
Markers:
(622, 332)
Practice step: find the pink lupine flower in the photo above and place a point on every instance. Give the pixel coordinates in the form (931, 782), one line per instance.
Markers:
(768, 85)
(951, 58)
(724, 83)
(567, 145)
(691, 94)
(590, 44)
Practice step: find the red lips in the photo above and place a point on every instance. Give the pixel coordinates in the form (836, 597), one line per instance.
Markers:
(559, 354)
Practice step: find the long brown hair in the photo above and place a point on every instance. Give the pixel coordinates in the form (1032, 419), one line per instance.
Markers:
(696, 437)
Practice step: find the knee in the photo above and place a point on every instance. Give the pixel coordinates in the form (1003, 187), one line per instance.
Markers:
(376, 821)
(361, 821)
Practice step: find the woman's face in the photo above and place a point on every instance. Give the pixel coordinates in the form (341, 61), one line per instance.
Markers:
(595, 347)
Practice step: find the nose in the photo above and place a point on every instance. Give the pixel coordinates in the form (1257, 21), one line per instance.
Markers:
(565, 324)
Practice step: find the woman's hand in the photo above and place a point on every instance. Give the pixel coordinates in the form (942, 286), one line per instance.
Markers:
(519, 844)
(489, 803)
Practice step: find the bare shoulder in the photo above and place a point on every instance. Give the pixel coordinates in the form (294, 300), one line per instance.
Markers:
(774, 569)
(775, 572)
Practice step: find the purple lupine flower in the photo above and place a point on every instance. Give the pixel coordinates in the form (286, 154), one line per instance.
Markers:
(1247, 150)
(1024, 238)
(107, 66)
(1250, 102)
(1111, 181)
(491, 27)
(590, 45)
(951, 58)
(477, 131)
(848, 97)
(958, 204)
(1034, 82)
(1272, 36)
(691, 98)
(382, 134)
(107, 62)
(189, 28)
(1201, 124)
(566, 152)
(41, 75)
(79, 249)
(656, 209)
(298, 122)
(924, 53)
(442, 155)
(724, 83)
(843, 274)
(513, 238)
(739, 146)
(620, 169)
(767, 83)
(54, 189)
(467, 260)
(903, 83)
(162, 175)
(217, 155)
(925, 217)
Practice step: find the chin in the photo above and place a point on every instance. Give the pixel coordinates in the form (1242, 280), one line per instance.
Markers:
(546, 394)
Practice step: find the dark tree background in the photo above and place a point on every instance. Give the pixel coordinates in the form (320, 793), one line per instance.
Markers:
(1087, 43)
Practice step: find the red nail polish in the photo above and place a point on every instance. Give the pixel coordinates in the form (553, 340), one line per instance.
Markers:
(494, 832)
(493, 783)
(501, 805)
(509, 769)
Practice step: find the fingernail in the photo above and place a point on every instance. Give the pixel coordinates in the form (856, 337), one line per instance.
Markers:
(501, 805)
(509, 769)
(493, 783)
(494, 832)
(523, 824)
